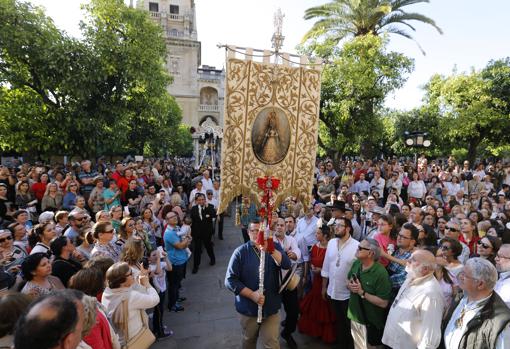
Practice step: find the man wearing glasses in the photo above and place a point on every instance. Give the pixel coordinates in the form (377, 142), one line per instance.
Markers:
(76, 222)
(481, 318)
(503, 266)
(406, 240)
(370, 288)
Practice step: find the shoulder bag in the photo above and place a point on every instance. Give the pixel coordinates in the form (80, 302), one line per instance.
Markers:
(144, 338)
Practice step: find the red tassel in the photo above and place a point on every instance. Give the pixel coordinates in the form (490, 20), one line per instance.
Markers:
(270, 245)
(260, 238)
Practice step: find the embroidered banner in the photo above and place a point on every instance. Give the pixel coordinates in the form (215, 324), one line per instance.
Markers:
(270, 128)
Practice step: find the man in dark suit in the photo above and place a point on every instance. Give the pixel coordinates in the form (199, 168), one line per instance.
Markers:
(202, 215)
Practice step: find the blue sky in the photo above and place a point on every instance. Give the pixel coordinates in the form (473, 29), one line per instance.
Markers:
(473, 34)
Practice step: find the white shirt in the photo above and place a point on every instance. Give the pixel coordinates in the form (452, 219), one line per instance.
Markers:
(290, 244)
(207, 184)
(502, 287)
(336, 266)
(453, 334)
(416, 189)
(192, 195)
(414, 320)
(213, 202)
(305, 230)
(379, 185)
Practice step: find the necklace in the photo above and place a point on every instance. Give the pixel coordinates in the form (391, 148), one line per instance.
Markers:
(339, 253)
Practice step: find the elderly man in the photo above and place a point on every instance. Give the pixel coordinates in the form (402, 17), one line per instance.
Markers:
(334, 277)
(481, 318)
(370, 288)
(242, 278)
(289, 298)
(502, 287)
(415, 316)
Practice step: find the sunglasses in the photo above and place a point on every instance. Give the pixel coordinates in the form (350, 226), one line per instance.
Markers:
(451, 229)
(480, 243)
(363, 248)
(109, 231)
(5, 239)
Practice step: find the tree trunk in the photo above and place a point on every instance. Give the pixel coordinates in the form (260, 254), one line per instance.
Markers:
(473, 145)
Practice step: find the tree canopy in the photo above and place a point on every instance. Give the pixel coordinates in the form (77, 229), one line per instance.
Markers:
(102, 94)
(341, 19)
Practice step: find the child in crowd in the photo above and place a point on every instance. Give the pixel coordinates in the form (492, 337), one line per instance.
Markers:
(158, 263)
(185, 232)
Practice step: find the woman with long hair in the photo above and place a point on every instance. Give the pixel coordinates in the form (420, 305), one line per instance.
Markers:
(152, 226)
(116, 217)
(24, 198)
(317, 318)
(69, 201)
(52, 198)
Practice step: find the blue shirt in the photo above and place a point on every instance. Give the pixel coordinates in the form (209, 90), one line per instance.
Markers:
(177, 256)
(243, 271)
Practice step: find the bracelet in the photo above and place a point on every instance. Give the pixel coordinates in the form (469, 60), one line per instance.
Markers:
(363, 294)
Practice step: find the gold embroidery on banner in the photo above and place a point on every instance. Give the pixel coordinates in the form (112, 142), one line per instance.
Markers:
(254, 91)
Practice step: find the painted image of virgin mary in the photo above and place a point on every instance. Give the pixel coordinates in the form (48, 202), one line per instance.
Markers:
(271, 140)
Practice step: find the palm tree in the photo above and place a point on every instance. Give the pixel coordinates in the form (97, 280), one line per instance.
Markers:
(340, 19)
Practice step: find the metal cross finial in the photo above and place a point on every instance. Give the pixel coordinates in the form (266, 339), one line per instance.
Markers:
(278, 37)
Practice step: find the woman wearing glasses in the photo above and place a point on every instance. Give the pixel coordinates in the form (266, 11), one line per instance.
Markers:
(124, 303)
(11, 256)
(103, 233)
(450, 250)
(488, 248)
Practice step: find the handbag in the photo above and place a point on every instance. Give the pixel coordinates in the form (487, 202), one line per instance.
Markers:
(374, 334)
(143, 339)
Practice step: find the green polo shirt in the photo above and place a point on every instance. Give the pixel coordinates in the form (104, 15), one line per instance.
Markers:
(374, 280)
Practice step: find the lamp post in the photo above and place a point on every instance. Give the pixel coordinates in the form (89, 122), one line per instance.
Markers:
(417, 139)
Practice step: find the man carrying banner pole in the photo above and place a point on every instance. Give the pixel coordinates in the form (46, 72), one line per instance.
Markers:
(243, 279)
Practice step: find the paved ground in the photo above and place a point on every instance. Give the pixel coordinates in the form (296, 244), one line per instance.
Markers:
(209, 319)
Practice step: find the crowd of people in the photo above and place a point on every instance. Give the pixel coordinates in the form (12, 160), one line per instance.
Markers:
(391, 254)
(91, 256)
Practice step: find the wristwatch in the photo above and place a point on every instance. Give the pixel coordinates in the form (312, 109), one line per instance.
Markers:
(363, 294)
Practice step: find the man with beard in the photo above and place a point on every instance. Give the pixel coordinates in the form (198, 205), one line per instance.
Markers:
(289, 298)
(76, 222)
(340, 254)
(406, 240)
(414, 320)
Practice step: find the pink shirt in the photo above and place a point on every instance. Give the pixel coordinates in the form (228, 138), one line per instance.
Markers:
(384, 241)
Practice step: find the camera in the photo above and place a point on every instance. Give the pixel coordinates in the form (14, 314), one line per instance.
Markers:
(145, 262)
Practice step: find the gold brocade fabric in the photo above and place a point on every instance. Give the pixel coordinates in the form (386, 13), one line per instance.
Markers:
(271, 125)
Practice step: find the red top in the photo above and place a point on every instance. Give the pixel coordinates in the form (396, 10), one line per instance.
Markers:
(99, 336)
(38, 189)
(471, 244)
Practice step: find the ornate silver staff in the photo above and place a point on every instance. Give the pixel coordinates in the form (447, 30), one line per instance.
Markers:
(262, 267)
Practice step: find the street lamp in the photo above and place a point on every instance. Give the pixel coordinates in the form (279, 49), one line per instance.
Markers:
(417, 139)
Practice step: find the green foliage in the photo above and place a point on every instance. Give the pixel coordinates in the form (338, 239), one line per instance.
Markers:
(341, 19)
(353, 89)
(103, 94)
(474, 111)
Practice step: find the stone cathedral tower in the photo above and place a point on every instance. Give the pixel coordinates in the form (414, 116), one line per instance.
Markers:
(198, 89)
